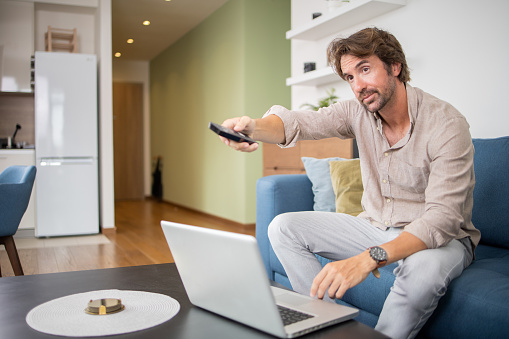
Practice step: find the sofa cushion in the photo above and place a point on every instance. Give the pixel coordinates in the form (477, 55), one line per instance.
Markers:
(347, 185)
(490, 213)
(318, 173)
(479, 294)
(477, 300)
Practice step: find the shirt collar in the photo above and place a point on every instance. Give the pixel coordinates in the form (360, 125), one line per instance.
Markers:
(413, 104)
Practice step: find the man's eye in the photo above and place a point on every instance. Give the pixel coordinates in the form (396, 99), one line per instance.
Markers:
(365, 69)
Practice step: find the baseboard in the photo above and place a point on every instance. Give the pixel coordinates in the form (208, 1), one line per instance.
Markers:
(30, 233)
(25, 233)
(224, 221)
(109, 230)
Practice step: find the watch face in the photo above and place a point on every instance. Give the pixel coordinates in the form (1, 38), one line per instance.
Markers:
(378, 253)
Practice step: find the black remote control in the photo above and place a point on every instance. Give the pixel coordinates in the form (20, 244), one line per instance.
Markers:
(230, 134)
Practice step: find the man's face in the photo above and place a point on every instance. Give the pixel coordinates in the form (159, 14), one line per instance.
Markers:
(372, 83)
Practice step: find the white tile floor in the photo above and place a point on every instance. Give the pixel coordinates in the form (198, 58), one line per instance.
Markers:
(25, 243)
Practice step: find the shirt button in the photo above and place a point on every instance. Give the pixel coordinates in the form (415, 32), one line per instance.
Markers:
(388, 200)
(386, 154)
(386, 223)
(384, 181)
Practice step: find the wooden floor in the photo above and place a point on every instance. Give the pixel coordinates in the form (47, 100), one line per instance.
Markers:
(138, 240)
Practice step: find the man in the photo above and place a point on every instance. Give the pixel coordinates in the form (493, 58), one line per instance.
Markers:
(416, 158)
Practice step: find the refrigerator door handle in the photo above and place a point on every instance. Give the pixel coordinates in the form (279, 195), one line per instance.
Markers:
(65, 161)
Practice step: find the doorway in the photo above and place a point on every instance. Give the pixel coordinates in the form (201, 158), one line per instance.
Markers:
(128, 140)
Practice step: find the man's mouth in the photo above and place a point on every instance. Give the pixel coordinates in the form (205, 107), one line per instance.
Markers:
(368, 96)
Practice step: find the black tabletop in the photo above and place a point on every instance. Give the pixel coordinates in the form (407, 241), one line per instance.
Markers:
(18, 295)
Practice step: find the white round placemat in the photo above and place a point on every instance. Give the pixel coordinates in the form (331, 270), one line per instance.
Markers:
(66, 316)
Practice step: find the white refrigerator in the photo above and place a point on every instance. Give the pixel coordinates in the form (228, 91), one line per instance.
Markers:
(66, 144)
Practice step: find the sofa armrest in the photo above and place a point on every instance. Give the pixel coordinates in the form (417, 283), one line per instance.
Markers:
(278, 194)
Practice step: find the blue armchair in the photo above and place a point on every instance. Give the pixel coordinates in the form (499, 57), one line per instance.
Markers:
(16, 184)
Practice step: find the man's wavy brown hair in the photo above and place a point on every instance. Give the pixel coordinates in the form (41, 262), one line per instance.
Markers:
(368, 42)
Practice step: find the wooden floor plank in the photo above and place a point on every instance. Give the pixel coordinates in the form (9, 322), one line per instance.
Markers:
(5, 265)
(65, 259)
(133, 252)
(47, 260)
(138, 240)
(28, 258)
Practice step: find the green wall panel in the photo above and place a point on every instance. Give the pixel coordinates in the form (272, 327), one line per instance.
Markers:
(234, 63)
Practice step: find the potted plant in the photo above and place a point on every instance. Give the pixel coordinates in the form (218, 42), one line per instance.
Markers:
(325, 102)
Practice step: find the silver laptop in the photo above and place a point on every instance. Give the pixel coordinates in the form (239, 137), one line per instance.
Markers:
(223, 273)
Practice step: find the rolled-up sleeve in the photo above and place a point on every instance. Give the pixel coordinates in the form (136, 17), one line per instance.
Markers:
(325, 123)
(289, 122)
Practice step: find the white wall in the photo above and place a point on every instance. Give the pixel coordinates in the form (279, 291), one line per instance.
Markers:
(103, 43)
(457, 50)
(138, 72)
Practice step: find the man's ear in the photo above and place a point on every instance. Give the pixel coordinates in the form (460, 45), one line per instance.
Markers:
(396, 68)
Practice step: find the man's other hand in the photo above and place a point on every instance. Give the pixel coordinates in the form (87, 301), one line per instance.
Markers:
(339, 276)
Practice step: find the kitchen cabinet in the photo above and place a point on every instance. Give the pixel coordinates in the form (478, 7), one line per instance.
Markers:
(23, 157)
(17, 42)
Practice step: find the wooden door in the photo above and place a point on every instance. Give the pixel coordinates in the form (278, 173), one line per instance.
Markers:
(128, 140)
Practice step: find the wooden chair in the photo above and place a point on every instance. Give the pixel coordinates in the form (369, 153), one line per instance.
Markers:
(16, 184)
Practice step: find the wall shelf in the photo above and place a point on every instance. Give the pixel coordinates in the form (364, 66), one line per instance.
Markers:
(346, 16)
(314, 78)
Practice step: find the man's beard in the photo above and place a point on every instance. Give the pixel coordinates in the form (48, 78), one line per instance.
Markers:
(383, 97)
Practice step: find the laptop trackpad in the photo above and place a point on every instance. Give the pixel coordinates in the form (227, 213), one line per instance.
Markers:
(292, 298)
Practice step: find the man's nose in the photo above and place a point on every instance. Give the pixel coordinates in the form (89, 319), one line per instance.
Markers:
(358, 85)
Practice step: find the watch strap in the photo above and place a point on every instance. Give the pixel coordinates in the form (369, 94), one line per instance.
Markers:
(379, 263)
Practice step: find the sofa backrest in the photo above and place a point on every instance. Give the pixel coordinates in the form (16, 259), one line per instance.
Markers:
(490, 213)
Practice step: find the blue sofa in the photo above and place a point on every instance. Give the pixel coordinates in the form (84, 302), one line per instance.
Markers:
(476, 304)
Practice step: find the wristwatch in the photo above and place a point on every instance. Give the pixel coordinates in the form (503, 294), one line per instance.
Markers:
(379, 255)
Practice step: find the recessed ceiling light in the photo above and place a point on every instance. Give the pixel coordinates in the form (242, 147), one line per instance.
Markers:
(146, 22)
(130, 41)
(118, 54)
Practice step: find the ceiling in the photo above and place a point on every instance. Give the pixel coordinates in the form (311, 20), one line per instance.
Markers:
(169, 21)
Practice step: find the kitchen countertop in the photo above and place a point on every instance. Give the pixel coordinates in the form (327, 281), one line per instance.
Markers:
(16, 150)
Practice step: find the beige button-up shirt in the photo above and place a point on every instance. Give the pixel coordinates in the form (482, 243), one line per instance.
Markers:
(423, 183)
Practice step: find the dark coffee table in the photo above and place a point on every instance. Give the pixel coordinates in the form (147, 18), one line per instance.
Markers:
(18, 295)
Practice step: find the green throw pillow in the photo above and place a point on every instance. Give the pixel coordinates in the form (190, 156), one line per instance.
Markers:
(347, 185)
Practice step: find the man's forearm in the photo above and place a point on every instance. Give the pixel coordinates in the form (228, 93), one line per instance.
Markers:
(403, 246)
(269, 129)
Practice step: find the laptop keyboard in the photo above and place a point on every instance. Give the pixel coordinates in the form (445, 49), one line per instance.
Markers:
(290, 316)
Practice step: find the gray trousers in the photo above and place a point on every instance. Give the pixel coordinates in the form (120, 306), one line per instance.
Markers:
(421, 279)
